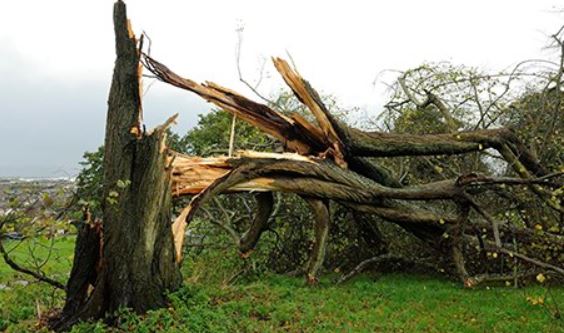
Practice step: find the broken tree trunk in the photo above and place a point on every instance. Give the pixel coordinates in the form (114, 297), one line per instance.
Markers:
(137, 264)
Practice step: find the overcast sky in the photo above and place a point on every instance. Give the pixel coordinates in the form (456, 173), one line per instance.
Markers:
(56, 57)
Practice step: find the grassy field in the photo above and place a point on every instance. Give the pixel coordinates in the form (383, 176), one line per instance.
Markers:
(273, 303)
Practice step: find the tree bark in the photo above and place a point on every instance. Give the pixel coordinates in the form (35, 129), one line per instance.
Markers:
(85, 266)
(322, 219)
(247, 243)
(137, 264)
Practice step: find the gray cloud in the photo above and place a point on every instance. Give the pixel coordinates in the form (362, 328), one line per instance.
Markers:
(47, 124)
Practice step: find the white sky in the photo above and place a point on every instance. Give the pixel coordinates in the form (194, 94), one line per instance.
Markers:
(56, 57)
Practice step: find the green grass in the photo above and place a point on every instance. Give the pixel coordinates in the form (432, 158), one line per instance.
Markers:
(273, 303)
(19, 302)
(58, 256)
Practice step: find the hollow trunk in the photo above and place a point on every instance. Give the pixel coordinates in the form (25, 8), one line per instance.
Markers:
(130, 262)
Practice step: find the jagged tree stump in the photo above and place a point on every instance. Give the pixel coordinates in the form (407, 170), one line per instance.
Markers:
(129, 262)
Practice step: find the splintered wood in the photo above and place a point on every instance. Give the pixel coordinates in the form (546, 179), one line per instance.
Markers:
(295, 132)
(309, 97)
(192, 174)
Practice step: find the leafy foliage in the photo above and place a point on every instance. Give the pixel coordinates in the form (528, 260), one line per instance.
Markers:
(211, 136)
(90, 182)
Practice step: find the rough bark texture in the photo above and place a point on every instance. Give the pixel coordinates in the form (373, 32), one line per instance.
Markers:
(133, 260)
(137, 266)
(84, 268)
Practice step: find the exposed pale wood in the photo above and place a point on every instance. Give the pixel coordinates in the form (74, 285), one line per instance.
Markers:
(321, 179)
(191, 175)
(178, 232)
(232, 136)
(309, 97)
(346, 143)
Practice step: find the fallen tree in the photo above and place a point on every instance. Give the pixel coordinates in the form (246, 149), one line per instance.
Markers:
(330, 162)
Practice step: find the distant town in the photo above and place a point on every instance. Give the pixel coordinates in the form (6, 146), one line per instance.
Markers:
(13, 187)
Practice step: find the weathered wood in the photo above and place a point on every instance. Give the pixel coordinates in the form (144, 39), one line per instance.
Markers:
(345, 143)
(333, 163)
(322, 179)
(365, 186)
